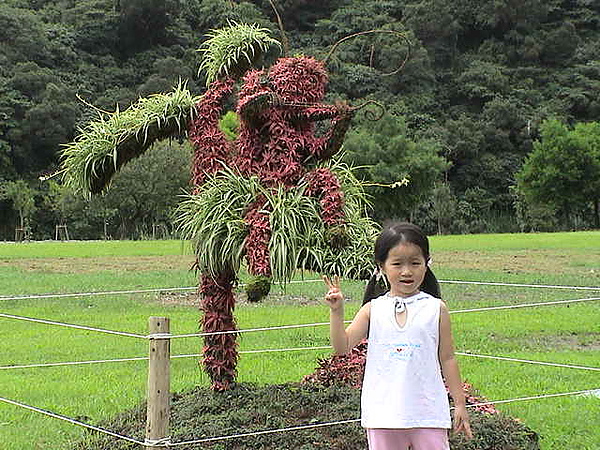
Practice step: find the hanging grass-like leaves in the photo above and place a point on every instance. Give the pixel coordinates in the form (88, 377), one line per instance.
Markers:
(300, 238)
(354, 260)
(296, 226)
(103, 146)
(213, 220)
(232, 50)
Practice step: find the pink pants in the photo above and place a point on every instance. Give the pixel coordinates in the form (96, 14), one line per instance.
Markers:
(408, 438)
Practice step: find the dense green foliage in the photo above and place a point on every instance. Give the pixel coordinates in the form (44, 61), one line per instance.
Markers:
(481, 79)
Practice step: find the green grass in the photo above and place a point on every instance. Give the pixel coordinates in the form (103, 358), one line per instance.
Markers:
(567, 334)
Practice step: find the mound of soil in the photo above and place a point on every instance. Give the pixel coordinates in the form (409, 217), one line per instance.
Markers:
(202, 413)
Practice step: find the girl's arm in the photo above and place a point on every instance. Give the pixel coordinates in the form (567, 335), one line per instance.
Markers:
(343, 340)
(452, 373)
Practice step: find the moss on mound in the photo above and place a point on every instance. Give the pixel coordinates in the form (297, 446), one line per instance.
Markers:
(202, 413)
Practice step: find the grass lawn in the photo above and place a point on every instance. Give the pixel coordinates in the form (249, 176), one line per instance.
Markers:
(565, 334)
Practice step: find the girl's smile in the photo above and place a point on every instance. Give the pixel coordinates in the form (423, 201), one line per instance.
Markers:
(405, 269)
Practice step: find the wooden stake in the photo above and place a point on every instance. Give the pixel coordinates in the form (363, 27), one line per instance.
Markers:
(157, 414)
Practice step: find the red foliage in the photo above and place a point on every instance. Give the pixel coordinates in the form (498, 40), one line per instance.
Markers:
(346, 369)
(212, 148)
(324, 184)
(257, 241)
(220, 350)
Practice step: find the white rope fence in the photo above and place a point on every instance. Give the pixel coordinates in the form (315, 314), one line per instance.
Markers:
(280, 350)
(69, 325)
(274, 328)
(145, 358)
(69, 420)
(166, 444)
(195, 288)
(528, 361)
(136, 291)
(544, 286)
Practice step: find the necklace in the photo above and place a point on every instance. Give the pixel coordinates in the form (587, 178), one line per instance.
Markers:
(400, 306)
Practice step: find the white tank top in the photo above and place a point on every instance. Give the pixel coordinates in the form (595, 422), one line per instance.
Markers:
(403, 385)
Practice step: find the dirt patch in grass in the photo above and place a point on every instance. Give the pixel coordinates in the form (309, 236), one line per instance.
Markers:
(193, 299)
(101, 264)
(555, 342)
(523, 261)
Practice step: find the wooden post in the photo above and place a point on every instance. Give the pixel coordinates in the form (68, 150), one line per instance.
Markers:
(157, 413)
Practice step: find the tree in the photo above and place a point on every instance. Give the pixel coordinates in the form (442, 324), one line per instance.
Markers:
(146, 192)
(22, 197)
(385, 155)
(563, 170)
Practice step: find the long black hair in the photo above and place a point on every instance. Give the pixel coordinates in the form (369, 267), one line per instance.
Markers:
(392, 235)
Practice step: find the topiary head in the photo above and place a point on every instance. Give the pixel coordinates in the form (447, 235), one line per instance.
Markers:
(299, 79)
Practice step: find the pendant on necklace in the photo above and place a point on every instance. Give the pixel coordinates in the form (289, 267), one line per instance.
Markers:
(400, 306)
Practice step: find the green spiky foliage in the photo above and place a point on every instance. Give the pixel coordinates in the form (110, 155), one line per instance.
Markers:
(232, 50)
(213, 219)
(106, 144)
(258, 288)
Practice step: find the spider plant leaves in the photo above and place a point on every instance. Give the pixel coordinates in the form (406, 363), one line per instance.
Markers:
(104, 145)
(232, 50)
(213, 218)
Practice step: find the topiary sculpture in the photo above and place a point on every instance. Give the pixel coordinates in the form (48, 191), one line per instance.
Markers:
(273, 196)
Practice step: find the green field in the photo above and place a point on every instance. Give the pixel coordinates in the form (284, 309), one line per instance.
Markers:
(567, 334)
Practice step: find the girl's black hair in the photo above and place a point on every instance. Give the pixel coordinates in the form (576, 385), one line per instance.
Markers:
(392, 235)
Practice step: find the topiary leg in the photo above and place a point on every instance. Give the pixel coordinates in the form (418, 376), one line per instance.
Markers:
(220, 351)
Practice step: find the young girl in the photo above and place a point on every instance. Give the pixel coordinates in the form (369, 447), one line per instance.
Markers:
(404, 402)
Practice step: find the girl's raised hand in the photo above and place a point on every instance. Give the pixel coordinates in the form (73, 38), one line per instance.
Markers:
(334, 296)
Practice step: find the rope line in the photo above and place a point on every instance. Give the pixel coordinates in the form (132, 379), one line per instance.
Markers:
(91, 294)
(525, 305)
(339, 422)
(262, 432)
(192, 288)
(284, 327)
(136, 291)
(280, 327)
(70, 420)
(248, 330)
(546, 286)
(145, 358)
(277, 350)
(69, 325)
(527, 361)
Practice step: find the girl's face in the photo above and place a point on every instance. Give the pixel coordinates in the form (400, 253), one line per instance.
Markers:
(405, 269)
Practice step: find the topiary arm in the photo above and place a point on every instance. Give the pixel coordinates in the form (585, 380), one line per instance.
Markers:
(105, 145)
(328, 145)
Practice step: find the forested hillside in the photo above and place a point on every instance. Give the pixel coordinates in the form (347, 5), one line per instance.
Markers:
(462, 116)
